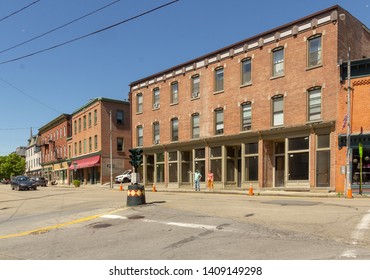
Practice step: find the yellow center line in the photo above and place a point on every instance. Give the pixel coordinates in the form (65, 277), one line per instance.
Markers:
(46, 229)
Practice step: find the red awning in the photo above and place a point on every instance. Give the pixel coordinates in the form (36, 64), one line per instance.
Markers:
(85, 162)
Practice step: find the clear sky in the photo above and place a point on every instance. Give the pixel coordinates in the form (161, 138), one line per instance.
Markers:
(39, 88)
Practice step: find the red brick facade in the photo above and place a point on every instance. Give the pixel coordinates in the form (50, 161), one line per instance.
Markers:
(291, 105)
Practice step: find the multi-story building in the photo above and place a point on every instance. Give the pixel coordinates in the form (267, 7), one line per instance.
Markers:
(33, 156)
(359, 125)
(262, 111)
(53, 142)
(100, 140)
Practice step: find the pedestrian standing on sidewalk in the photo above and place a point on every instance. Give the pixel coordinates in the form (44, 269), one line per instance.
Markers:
(210, 180)
(197, 177)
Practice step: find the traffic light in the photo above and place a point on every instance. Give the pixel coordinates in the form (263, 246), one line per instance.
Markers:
(136, 157)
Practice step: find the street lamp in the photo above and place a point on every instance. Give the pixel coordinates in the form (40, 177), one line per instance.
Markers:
(348, 189)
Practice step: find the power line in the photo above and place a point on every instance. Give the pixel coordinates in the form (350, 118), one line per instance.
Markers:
(57, 28)
(16, 12)
(30, 96)
(89, 34)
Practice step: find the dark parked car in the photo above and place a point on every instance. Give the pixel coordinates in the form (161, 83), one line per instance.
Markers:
(22, 183)
(40, 181)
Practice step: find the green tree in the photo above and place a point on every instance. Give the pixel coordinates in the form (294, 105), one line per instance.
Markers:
(12, 165)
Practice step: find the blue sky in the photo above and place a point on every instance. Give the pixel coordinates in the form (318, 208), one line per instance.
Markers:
(39, 88)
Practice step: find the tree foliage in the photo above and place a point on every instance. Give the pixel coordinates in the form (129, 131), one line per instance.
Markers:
(12, 165)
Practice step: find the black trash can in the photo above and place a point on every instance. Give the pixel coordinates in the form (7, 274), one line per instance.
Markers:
(135, 195)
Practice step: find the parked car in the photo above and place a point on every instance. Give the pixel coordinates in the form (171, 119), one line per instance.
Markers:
(22, 183)
(124, 177)
(5, 181)
(40, 181)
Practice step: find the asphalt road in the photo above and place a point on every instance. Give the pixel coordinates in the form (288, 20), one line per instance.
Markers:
(56, 223)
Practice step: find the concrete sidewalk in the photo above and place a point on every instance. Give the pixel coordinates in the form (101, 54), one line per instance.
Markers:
(256, 192)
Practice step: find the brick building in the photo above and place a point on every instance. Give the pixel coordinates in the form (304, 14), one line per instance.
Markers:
(262, 111)
(359, 125)
(53, 142)
(100, 132)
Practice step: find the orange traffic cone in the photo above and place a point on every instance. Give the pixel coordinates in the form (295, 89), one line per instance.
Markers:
(250, 189)
(120, 187)
(153, 188)
(349, 193)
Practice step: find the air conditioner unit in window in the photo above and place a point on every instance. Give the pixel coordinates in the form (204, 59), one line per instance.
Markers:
(156, 141)
(195, 94)
(156, 105)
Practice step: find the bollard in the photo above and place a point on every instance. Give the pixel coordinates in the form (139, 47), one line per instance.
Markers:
(135, 195)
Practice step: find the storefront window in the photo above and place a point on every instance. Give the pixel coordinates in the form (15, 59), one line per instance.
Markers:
(323, 161)
(216, 163)
(172, 168)
(200, 162)
(186, 164)
(365, 172)
(160, 167)
(298, 158)
(251, 162)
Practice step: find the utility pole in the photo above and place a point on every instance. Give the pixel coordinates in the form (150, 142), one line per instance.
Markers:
(110, 149)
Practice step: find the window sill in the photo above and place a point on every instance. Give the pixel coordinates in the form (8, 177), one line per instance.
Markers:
(139, 113)
(195, 98)
(313, 122)
(246, 85)
(277, 126)
(314, 67)
(173, 104)
(218, 92)
(277, 77)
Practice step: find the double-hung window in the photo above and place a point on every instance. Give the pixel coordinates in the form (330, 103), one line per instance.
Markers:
(156, 133)
(195, 132)
(175, 129)
(219, 79)
(246, 116)
(195, 82)
(314, 104)
(174, 92)
(139, 103)
(139, 133)
(156, 95)
(278, 62)
(314, 56)
(219, 121)
(246, 68)
(277, 110)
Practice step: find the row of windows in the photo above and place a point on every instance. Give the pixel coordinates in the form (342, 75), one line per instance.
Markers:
(314, 58)
(85, 146)
(277, 117)
(56, 134)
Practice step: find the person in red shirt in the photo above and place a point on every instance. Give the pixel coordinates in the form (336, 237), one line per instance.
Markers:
(210, 180)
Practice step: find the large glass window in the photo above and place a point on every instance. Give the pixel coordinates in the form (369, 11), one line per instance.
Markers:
(219, 79)
(200, 162)
(314, 104)
(172, 167)
(174, 92)
(251, 162)
(246, 116)
(219, 121)
(246, 71)
(186, 166)
(278, 110)
(195, 126)
(323, 161)
(278, 62)
(160, 167)
(314, 51)
(298, 158)
(216, 163)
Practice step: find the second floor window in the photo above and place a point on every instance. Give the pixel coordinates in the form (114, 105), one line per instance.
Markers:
(219, 121)
(246, 116)
(119, 144)
(277, 110)
(246, 71)
(219, 79)
(195, 129)
(314, 104)
(139, 133)
(175, 129)
(278, 62)
(314, 51)
(156, 133)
